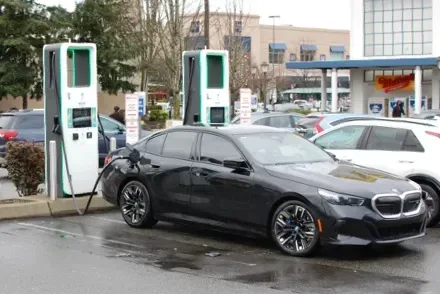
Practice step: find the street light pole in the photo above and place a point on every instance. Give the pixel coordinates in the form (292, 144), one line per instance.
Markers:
(264, 68)
(273, 17)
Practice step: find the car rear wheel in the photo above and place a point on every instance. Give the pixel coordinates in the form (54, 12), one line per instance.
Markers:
(432, 204)
(294, 229)
(135, 205)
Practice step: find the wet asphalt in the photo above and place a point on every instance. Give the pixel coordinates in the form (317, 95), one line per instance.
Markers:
(99, 253)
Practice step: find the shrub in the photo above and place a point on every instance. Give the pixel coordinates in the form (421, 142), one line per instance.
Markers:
(158, 115)
(25, 165)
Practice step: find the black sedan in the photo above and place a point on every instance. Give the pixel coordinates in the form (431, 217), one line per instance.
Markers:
(262, 180)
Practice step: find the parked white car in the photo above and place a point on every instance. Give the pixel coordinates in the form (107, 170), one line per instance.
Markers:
(407, 148)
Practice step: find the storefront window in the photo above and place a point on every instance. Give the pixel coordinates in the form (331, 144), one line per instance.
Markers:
(397, 27)
(370, 75)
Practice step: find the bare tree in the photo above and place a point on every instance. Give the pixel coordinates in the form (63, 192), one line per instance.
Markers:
(174, 28)
(146, 34)
(229, 28)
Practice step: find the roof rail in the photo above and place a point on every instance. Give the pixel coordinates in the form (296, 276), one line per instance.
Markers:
(393, 120)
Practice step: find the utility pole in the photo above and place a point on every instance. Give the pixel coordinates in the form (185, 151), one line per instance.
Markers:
(273, 17)
(206, 24)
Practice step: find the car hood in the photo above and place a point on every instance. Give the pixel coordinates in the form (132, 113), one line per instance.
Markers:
(342, 177)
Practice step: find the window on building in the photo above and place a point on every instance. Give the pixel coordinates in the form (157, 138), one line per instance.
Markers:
(397, 27)
(308, 55)
(292, 57)
(276, 55)
(322, 57)
(195, 27)
(238, 26)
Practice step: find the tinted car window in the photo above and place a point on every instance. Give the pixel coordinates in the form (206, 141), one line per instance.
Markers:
(6, 121)
(108, 125)
(295, 119)
(179, 144)
(215, 149)
(280, 121)
(261, 122)
(388, 139)
(344, 138)
(154, 145)
(412, 143)
(308, 122)
(29, 122)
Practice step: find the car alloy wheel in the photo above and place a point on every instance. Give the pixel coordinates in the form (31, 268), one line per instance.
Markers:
(432, 205)
(135, 205)
(294, 229)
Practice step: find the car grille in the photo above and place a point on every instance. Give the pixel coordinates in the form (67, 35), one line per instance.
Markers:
(391, 233)
(394, 205)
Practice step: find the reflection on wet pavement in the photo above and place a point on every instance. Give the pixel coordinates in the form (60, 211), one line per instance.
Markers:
(407, 268)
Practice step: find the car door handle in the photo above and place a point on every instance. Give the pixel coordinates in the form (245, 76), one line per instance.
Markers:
(406, 161)
(155, 165)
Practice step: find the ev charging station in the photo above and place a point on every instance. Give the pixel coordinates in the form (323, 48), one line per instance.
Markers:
(206, 98)
(71, 116)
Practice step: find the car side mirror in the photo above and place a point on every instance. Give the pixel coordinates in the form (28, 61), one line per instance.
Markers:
(121, 130)
(234, 163)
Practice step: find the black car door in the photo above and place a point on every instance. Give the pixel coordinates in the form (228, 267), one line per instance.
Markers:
(170, 179)
(220, 193)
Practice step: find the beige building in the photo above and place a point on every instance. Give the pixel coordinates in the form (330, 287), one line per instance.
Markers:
(275, 45)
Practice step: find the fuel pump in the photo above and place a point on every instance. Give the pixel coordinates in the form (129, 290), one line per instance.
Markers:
(72, 119)
(206, 99)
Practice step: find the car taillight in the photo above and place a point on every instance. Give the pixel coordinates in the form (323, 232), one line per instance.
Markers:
(317, 128)
(8, 135)
(433, 134)
(107, 160)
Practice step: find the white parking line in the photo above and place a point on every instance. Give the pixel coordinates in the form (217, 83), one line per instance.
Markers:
(107, 219)
(79, 235)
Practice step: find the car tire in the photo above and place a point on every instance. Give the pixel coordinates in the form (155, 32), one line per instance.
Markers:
(297, 236)
(433, 202)
(135, 205)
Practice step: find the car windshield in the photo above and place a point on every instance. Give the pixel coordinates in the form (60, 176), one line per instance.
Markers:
(6, 121)
(282, 148)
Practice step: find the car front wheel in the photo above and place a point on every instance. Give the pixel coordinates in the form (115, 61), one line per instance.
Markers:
(432, 205)
(135, 205)
(294, 229)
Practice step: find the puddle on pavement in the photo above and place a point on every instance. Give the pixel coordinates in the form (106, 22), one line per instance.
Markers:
(171, 263)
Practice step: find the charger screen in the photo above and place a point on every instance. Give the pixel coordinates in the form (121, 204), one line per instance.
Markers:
(82, 117)
(217, 115)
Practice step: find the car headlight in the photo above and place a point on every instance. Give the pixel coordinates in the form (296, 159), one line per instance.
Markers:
(341, 199)
(415, 185)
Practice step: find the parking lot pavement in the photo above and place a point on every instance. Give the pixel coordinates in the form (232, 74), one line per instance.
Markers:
(99, 252)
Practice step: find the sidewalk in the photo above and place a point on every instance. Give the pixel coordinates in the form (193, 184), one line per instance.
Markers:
(12, 206)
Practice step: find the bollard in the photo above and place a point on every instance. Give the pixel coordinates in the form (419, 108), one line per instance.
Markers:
(53, 170)
(112, 144)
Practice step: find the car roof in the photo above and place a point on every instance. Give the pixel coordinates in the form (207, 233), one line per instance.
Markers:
(24, 112)
(232, 129)
(392, 122)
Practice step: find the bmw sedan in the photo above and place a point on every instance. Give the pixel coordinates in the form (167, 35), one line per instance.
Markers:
(265, 181)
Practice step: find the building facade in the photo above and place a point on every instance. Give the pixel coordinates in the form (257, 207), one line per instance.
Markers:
(394, 52)
(275, 45)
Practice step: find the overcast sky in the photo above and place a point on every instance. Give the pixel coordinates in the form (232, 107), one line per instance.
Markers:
(309, 13)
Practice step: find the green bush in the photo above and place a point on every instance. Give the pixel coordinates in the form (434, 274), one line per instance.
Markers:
(301, 111)
(155, 107)
(158, 115)
(25, 165)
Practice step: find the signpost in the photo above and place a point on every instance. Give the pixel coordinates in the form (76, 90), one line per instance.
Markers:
(245, 106)
(142, 103)
(132, 118)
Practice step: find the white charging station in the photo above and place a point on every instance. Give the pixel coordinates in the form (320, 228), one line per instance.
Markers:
(206, 97)
(71, 115)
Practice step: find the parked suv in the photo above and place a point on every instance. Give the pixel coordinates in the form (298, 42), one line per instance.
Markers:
(278, 120)
(28, 125)
(402, 147)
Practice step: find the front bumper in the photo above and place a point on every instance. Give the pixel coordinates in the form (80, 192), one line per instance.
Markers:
(349, 225)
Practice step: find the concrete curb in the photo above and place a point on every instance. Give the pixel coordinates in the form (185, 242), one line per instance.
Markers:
(40, 206)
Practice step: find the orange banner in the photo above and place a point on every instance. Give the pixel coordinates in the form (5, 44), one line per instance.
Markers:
(393, 83)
